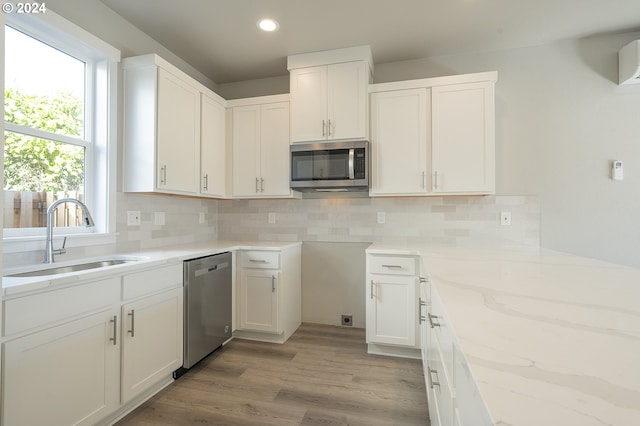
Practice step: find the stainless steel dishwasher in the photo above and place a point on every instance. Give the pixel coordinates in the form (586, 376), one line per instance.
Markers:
(207, 313)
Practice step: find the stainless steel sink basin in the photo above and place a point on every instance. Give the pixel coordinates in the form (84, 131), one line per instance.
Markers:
(72, 268)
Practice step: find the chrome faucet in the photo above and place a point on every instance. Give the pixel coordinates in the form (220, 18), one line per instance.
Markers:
(87, 221)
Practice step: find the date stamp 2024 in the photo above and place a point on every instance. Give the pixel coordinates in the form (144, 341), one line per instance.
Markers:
(31, 7)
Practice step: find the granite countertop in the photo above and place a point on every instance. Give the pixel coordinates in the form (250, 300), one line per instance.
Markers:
(550, 338)
(13, 286)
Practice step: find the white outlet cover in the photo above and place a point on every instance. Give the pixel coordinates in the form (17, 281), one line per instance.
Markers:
(382, 218)
(505, 218)
(272, 218)
(133, 217)
(201, 218)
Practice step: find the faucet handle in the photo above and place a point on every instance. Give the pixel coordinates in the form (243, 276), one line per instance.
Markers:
(64, 243)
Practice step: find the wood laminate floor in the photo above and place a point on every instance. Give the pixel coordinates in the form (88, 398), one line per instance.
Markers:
(321, 376)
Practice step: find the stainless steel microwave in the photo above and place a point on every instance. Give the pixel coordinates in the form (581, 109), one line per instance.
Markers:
(330, 166)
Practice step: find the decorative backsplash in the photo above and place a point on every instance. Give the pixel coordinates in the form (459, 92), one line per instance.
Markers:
(407, 220)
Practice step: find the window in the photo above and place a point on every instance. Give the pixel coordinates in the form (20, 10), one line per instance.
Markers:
(59, 103)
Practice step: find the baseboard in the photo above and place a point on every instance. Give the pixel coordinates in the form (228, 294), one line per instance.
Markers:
(396, 351)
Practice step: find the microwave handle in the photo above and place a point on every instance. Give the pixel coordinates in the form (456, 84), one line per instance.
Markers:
(352, 174)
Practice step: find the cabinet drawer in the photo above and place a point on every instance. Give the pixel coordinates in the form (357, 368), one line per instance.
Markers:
(41, 309)
(152, 281)
(441, 333)
(260, 259)
(395, 265)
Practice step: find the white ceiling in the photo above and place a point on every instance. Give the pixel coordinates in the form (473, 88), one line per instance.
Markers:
(220, 37)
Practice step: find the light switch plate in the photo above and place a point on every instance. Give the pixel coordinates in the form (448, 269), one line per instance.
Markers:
(158, 218)
(272, 218)
(201, 218)
(382, 218)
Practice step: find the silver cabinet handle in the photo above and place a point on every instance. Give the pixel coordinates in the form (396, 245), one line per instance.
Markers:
(433, 320)
(261, 184)
(258, 261)
(424, 279)
(324, 132)
(371, 295)
(132, 315)
(206, 182)
(329, 128)
(424, 181)
(163, 175)
(114, 339)
(421, 303)
(392, 266)
(273, 283)
(436, 181)
(257, 180)
(432, 382)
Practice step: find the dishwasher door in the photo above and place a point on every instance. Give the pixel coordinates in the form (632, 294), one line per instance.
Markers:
(207, 287)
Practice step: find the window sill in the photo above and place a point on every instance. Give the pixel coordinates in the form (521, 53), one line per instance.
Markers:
(37, 242)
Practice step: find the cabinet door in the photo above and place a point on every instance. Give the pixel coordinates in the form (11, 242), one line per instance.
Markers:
(246, 151)
(259, 300)
(400, 142)
(212, 148)
(178, 135)
(64, 375)
(274, 150)
(391, 310)
(308, 104)
(347, 112)
(152, 345)
(463, 138)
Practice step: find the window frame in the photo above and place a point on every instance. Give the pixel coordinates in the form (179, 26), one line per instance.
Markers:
(100, 127)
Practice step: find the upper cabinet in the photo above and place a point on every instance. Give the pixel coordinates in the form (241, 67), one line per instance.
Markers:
(434, 136)
(329, 94)
(172, 126)
(261, 147)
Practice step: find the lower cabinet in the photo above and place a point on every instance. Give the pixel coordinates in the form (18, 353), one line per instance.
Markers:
(151, 341)
(78, 355)
(392, 310)
(269, 302)
(63, 375)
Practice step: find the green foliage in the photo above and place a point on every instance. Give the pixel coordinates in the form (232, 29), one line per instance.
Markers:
(33, 164)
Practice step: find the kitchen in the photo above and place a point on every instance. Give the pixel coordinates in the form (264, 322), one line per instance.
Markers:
(560, 119)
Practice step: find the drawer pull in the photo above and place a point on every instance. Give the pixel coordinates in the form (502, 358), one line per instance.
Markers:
(132, 315)
(424, 279)
(258, 261)
(433, 320)
(273, 283)
(432, 382)
(114, 339)
(421, 303)
(371, 292)
(392, 266)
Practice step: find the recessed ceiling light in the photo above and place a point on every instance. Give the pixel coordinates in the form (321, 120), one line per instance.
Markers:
(268, 25)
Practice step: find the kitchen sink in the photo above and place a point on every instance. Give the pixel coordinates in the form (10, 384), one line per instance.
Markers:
(72, 268)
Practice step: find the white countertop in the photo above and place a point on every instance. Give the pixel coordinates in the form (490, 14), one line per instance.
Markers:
(550, 338)
(12, 286)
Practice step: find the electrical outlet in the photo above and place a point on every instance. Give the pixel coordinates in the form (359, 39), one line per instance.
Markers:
(505, 218)
(347, 320)
(382, 218)
(133, 217)
(272, 218)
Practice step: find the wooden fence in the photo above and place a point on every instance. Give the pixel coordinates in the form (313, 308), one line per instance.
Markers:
(29, 209)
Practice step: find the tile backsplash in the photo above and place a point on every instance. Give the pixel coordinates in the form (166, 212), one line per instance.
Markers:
(407, 220)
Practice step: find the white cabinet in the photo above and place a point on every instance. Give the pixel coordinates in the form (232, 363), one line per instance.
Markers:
(213, 157)
(78, 355)
(171, 127)
(463, 138)
(392, 304)
(269, 294)
(400, 144)
(151, 341)
(329, 102)
(433, 136)
(261, 148)
(65, 369)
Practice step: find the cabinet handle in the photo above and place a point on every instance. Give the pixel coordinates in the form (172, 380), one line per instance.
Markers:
(424, 181)
(163, 175)
(132, 315)
(424, 279)
(436, 181)
(329, 128)
(392, 266)
(323, 128)
(371, 292)
(433, 320)
(273, 283)
(261, 184)
(114, 339)
(421, 303)
(257, 180)
(258, 261)
(206, 182)
(432, 382)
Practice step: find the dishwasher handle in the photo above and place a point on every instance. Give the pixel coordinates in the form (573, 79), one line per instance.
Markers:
(210, 268)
